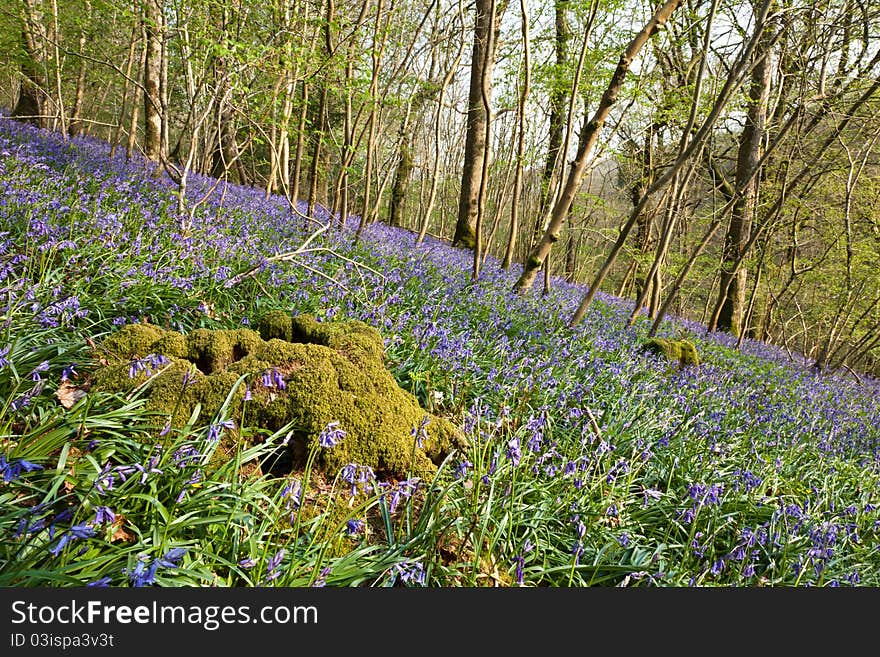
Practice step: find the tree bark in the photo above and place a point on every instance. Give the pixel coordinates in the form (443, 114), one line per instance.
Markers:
(557, 123)
(733, 277)
(152, 76)
(482, 61)
(32, 96)
(521, 136)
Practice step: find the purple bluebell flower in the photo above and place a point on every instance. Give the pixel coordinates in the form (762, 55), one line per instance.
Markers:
(216, 430)
(75, 532)
(143, 574)
(331, 435)
(514, 453)
(420, 433)
(321, 580)
(410, 572)
(358, 476)
(35, 373)
(462, 469)
(172, 557)
(100, 583)
(11, 470)
(273, 570)
(104, 514)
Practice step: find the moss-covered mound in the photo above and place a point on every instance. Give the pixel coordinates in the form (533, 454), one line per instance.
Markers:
(295, 369)
(681, 351)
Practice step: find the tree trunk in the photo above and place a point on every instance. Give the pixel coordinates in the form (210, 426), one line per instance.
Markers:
(521, 136)
(30, 105)
(482, 61)
(74, 128)
(733, 277)
(587, 142)
(557, 117)
(152, 76)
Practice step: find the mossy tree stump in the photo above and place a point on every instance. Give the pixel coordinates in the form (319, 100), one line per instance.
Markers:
(681, 351)
(297, 370)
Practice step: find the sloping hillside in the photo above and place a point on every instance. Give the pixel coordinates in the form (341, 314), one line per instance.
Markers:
(592, 461)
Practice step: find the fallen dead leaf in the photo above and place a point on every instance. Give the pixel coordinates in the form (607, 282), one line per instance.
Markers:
(69, 394)
(120, 533)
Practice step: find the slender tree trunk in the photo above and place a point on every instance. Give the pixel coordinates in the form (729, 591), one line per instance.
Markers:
(296, 174)
(733, 278)
(136, 104)
(435, 171)
(152, 80)
(56, 56)
(588, 140)
(126, 87)
(75, 126)
(698, 141)
(521, 135)
(486, 97)
(319, 125)
(30, 106)
(558, 121)
(482, 62)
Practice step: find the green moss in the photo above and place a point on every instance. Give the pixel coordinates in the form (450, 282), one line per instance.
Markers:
(334, 373)
(132, 340)
(689, 355)
(171, 344)
(681, 351)
(244, 343)
(211, 351)
(275, 324)
(348, 337)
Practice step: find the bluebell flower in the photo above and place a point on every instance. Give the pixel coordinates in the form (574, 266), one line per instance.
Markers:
(75, 532)
(410, 572)
(143, 575)
(331, 435)
(462, 469)
(519, 561)
(172, 557)
(103, 582)
(420, 433)
(35, 373)
(216, 430)
(354, 526)
(104, 514)
(322, 577)
(11, 470)
(272, 566)
(514, 453)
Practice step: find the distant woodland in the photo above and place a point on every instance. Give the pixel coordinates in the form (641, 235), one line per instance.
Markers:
(719, 161)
